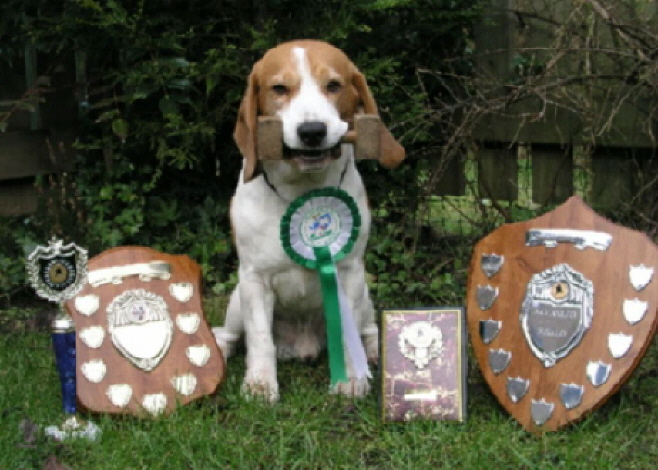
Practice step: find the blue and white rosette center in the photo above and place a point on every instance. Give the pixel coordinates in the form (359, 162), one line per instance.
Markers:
(321, 222)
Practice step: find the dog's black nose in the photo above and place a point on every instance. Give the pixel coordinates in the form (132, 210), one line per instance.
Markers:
(312, 133)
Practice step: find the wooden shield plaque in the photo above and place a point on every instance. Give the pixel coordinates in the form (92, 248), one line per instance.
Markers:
(561, 309)
(142, 342)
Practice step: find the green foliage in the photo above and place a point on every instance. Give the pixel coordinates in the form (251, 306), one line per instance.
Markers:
(156, 164)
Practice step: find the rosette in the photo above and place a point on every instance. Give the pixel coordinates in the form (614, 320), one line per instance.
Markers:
(318, 230)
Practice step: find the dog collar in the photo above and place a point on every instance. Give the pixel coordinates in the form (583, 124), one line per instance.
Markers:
(273, 188)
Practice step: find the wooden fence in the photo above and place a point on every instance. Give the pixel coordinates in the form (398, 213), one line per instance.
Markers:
(552, 157)
(38, 112)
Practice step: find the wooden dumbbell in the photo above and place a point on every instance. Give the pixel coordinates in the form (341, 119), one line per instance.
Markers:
(364, 134)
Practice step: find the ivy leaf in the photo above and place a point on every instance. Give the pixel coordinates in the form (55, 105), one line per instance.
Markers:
(179, 83)
(168, 106)
(120, 129)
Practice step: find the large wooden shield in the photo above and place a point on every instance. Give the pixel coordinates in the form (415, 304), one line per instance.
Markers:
(143, 344)
(561, 309)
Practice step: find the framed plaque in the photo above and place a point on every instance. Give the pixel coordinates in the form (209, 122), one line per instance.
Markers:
(423, 364)
(143, 344)
(561, 309)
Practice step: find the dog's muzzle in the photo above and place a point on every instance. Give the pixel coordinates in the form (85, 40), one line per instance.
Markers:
(312, 135)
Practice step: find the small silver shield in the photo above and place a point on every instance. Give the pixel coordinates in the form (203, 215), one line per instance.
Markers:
(517, 388)
(640, 276)
(619, 344)
(491, 263)
(634, 310)
(489, 329)
(541, 411)
(571, 395)
(487, 295)
(499, 360)
(598, 372)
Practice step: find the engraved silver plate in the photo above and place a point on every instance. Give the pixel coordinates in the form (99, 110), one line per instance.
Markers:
(188, 322)
(144, 271)
(57, 272)
(184, 384)
(119, 394)
(580, 239)
(541, 411)
(94, 370)
(92, 336)
(420, 342)
(517, 388)
(181, 291)
(87, 304)
(140, 327)
(491, 263)
(154, 403)
(198, 354)
(640, 276)
(556, 312)
(598, 372)
(489, 329)
(499, 359)
(619, 344)
(571, 395)
(486, 295)
(634, 310)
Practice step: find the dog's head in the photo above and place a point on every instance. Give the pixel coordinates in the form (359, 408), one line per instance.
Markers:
(314, 88)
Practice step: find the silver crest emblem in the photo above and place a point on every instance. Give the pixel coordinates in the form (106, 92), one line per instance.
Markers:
(598, 372)
(137, 314)
(619, 344)
(489, 329)
(571, 395)
(556, 312)
(634, 310)
(57, 272)
(487, 295)
(491, 264)
(420, 342)
(541, 411)
(499, 359)
(517, 388)
(640, 276)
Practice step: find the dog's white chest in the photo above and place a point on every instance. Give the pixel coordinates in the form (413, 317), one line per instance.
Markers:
(297, 291)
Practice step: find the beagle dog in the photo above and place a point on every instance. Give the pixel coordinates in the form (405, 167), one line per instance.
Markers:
(277, 305)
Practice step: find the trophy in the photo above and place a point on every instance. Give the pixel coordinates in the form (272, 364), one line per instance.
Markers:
(143, 344)
(423, 372)
(561, 309)
(57, 272)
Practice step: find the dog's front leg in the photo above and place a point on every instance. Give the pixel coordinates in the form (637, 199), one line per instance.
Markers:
(362, 312)
(257, 302)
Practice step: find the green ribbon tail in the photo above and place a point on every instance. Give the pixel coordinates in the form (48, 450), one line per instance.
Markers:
(329, 286)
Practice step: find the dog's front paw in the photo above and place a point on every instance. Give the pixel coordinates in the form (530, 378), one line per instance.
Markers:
(371, 345)
(354, 387)
(261, 384)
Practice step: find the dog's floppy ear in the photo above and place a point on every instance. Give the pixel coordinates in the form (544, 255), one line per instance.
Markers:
(391, 153)
(245, 128)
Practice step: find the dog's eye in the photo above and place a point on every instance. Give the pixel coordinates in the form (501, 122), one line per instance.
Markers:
(280, 90)
(334, 86)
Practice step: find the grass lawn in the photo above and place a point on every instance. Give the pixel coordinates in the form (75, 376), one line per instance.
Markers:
(308, 429)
